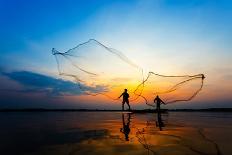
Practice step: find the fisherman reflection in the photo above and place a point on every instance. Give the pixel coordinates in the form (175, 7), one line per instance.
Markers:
(126, 126)
(159, 122)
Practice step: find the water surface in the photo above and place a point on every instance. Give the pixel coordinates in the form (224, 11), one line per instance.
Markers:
(72, 133)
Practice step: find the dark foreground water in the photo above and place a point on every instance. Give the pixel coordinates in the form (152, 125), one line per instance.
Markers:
(109, 133)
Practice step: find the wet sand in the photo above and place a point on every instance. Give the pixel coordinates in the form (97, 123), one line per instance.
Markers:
(72, 133)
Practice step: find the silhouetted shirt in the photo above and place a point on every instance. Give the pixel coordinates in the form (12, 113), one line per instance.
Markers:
(158, 100)
(125, 96)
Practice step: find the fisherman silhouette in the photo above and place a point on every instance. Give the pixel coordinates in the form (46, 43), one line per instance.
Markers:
(126, 126)
(125, 99)
(158, 102)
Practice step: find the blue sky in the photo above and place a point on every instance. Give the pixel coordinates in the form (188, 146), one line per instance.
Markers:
(182, 37)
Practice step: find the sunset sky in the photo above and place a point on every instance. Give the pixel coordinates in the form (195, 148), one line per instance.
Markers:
(170, 37)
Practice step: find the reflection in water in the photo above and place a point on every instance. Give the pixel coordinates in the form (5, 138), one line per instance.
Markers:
(159, 122)
(142, 134)
(114, 133)
(126, 126)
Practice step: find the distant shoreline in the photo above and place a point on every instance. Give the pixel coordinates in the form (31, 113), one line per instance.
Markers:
(108, 110)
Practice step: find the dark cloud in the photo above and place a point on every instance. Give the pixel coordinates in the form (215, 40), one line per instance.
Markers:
(35, 82)
(24, 89)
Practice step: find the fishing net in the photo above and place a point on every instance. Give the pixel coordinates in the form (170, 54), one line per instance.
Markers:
(101, 70)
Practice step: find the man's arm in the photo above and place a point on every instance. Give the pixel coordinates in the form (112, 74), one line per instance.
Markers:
(120, 95)
(162, 101)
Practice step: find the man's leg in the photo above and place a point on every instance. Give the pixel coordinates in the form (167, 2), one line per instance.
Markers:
(123, 105)
(128, 105)
(158, 108)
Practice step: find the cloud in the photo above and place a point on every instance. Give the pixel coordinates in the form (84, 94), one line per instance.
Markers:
(35, 82)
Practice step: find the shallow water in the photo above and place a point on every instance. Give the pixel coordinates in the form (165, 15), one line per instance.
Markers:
(71, 133)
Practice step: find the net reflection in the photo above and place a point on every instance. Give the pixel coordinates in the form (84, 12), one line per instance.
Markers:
(144, 134)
